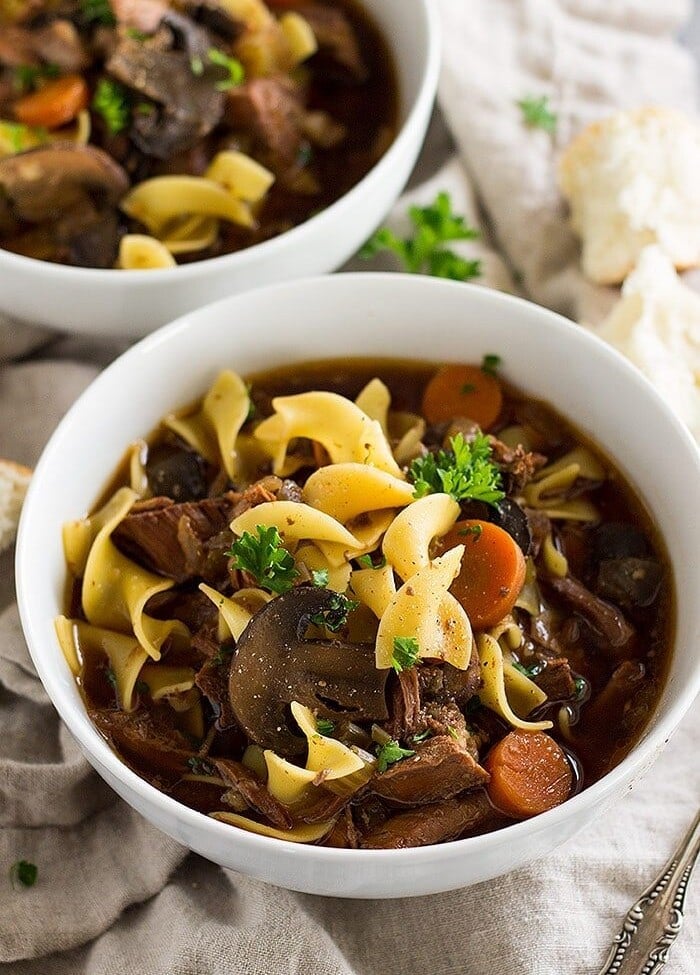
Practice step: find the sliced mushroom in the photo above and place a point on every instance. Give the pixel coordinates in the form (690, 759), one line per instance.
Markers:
(274, 665)
(44, 183)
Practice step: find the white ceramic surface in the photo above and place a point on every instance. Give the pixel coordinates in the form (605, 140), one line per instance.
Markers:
(130, 304)
(347, 315)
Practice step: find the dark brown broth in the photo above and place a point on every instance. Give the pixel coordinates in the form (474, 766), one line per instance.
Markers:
(615, 734)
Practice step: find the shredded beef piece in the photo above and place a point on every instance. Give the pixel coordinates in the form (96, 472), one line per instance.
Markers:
(444, 683)
(171, 538)
(344, 834)
(556, 680)
(262, 491)
(325, 806)
(540, 526)
(339, 53)
(212, 680)
(520, 465)
(255, 793)
(189, 606)
(147, 740)
(434, 823)
(607, 619)
(404, 703)
(440, 769)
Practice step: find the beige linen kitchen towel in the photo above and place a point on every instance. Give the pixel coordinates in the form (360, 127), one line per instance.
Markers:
(116, 896)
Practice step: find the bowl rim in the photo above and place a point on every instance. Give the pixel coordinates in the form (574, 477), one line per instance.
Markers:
(100, 754)
(268, 249)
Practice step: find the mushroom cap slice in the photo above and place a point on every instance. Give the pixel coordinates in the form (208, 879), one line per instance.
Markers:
(44, 183)
(274, 665)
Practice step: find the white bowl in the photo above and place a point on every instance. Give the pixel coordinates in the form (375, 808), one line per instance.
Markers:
(130, 304)
(346, 315)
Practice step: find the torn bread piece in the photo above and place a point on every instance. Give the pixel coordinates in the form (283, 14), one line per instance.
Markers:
(14, 481)
(656, 324)
(632, 180)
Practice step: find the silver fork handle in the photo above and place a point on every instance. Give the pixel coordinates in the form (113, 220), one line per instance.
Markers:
(652, 924)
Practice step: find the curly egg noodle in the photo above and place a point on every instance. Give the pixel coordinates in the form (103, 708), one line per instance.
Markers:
(358, 502)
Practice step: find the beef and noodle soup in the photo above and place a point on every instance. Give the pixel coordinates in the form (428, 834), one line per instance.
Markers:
(368, 604)
(141, 133)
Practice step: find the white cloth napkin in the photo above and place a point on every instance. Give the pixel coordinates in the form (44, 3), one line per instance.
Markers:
(116, 896)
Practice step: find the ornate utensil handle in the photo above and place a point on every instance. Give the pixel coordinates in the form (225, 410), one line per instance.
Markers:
(652, 924)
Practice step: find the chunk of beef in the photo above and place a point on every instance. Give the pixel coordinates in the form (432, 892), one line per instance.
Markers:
(444, 683)
(239, 777)
(447, 719)
(404, 703)
(344, 835)
(147, 740)
(434, 823)
(326, 805)
(59, 43)
(267, 489)
(190, 606)
(540, 526)
(556, 680)
(440, 769)
(212, 679)
(171, 538)
(607, 619)
(517, 464)
(269, 110)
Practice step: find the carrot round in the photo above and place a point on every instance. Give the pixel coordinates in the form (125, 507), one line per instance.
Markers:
(492, 572)
(54, 105)
(463, 391)
(529, 774)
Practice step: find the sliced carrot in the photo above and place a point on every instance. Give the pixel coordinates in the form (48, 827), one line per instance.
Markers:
(492, 572)
(54, 105)
(529, 774)
(463, 391)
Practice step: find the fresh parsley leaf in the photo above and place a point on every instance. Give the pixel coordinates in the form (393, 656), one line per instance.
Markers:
(423, 253)
(530, 670)
(324, 726)
(390, 753)
(335, 616)
(200, 766)
(406, 651)
(491, 363)
(537, 114)
(197, 66)
(422, 736)
(467, 388)
(465, 471)
(144, 108)
(320, 577)
(111, 101)
(111, 677)
(26, 76)
(24, 872)
(581, 685)
(222, 654)
(452, 732)
(263, 556)
(97, 12)
(366, 562)
(236, 71)
(474, 530)
(136, 35)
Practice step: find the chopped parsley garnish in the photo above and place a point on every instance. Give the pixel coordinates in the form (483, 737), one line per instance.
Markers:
(390, 753)
(475, 531)
(305, 156)
(222, 654)
(537, 114)
(136, 35)
(319, 577)
(236, 71)
(197, 66)
(199, 766)
(580, 685)
(24, 873)
(97, 12)
(265, 559)
(421, 736)
(530, 670)
(111, 101)
(452, 732)
(465, 471)
(27, 75)
(423, 253)
(467, 388)
(491, 363)
(324, 726)
(406, 651)
(335, 616)
(366, 562)
(111, 677)
(21, 137)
